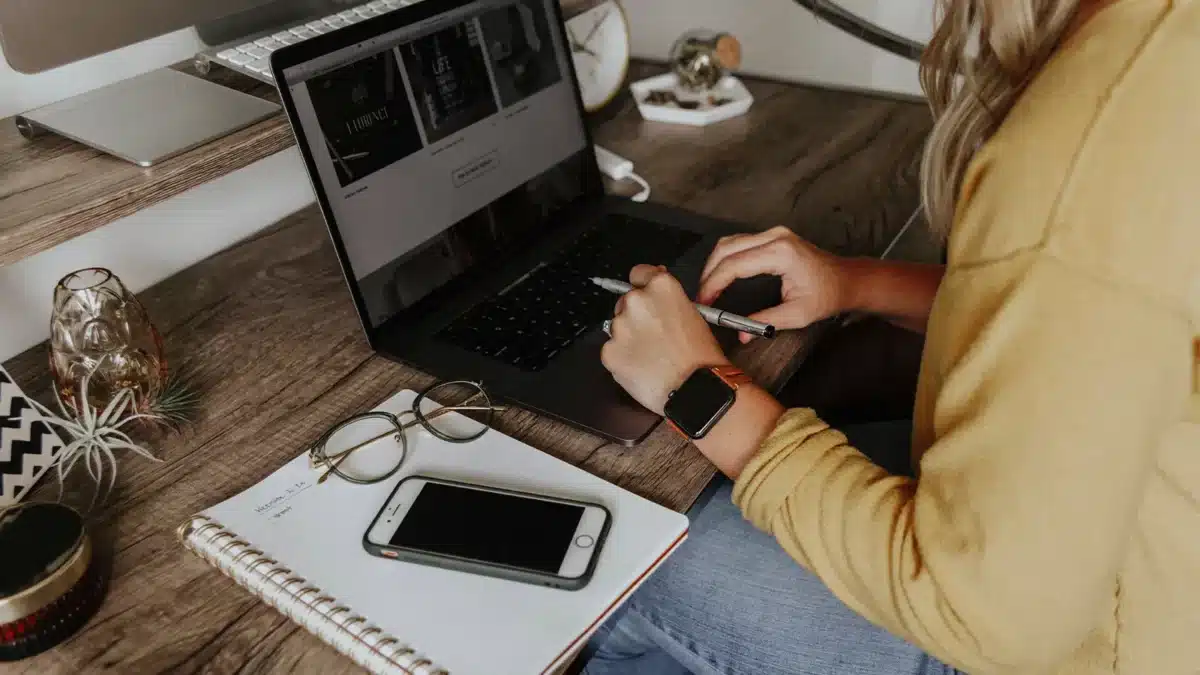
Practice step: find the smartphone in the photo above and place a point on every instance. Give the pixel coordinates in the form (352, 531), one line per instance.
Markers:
(535, 539)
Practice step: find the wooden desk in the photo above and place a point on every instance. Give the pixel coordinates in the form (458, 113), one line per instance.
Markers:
(271, 331)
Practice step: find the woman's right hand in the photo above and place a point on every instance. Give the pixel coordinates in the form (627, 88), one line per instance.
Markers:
(813, 286)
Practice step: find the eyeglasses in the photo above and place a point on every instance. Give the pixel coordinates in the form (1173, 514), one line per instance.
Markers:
(371, 447)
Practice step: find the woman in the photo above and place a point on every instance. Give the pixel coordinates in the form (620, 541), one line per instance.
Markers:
(1052, 524)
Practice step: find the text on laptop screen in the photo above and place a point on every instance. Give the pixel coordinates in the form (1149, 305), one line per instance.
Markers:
(442, 144)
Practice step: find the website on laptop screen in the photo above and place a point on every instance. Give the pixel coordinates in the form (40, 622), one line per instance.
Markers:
(441, 144)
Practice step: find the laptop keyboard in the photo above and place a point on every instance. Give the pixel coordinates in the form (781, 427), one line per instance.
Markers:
(535, 319)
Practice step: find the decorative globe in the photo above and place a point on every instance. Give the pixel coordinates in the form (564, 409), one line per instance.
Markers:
(700, 58)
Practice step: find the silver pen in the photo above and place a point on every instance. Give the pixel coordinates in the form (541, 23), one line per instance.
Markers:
(717, 317)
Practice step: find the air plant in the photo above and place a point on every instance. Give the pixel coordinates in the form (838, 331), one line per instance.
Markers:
(178, 402)
(96, 436)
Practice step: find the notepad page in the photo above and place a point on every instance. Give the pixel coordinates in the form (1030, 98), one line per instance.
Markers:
(467, 623)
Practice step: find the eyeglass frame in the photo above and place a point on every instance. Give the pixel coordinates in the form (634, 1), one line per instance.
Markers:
(318, 459)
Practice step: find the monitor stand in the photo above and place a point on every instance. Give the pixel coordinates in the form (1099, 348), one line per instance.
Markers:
(150, 117)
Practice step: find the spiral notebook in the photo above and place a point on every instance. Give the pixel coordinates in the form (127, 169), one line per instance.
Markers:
(297, 545)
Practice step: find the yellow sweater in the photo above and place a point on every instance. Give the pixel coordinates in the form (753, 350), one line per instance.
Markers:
(1055, 525)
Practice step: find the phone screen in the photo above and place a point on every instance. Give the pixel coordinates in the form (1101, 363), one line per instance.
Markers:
(489, 527)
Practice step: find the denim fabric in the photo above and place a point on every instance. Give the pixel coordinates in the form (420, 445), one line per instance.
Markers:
(731, 602)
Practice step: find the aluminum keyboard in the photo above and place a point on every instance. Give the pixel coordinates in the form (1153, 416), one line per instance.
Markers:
(253, 56)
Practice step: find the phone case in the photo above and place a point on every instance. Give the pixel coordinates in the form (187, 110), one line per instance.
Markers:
(488, 569)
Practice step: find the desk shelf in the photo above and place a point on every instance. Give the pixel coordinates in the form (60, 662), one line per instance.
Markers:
(53, 189)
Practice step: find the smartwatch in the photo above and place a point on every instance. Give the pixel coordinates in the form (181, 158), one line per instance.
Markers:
(703, 399)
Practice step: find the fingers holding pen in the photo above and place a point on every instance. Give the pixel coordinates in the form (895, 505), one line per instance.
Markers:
(640, 277)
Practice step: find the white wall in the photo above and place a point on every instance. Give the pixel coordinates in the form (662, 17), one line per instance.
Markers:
(779, 38)
(782, 40)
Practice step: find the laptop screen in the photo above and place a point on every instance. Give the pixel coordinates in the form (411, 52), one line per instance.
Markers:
(442, 144)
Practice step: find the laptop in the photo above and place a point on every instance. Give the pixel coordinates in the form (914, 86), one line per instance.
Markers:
(452, 163)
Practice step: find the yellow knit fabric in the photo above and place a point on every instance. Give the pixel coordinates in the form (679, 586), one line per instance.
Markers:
(1055, 523)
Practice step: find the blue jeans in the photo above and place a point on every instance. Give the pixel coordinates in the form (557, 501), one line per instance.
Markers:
(731, 602)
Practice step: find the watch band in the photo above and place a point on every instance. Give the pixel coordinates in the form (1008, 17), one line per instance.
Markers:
(732, 375)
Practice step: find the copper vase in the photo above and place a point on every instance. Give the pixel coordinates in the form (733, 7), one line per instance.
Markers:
(99, 330)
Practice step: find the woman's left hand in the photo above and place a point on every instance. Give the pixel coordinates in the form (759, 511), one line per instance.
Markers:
(658, 338)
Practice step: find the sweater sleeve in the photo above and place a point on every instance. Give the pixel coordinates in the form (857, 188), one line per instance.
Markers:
(1003, 552)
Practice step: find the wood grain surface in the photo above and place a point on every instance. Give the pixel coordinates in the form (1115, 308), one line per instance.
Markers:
(270, 330)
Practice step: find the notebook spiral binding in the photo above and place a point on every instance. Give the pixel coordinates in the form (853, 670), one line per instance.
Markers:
(322, 615)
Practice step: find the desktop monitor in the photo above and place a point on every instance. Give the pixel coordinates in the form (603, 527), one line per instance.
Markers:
(38, 35)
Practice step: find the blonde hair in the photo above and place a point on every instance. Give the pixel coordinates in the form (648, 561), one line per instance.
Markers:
(979, 61)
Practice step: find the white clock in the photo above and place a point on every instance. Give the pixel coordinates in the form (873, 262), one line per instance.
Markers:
(599, 41)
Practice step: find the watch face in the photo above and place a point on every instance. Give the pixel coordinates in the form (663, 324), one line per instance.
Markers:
(697, 405)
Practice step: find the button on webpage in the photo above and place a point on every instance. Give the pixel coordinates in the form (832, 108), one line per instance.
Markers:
(584, 541)
(478, 167)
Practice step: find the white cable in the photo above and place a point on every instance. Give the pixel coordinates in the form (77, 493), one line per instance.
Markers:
(617, 167)
(645, 193)
(899, 235)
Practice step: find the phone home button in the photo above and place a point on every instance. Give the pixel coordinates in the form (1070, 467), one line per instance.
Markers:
(584, 541)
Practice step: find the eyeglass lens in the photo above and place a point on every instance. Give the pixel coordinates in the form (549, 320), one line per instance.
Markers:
(365, 450)
(465, 413)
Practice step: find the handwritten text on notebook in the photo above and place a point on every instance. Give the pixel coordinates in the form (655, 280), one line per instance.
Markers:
(277, 506)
